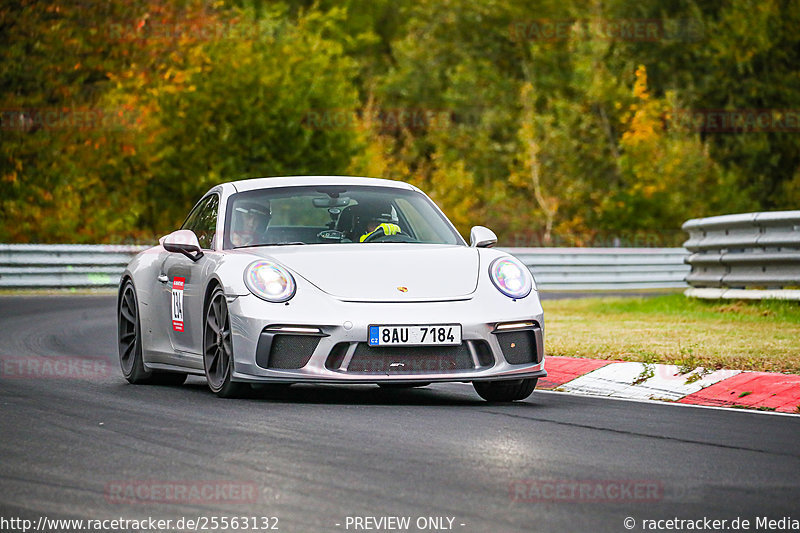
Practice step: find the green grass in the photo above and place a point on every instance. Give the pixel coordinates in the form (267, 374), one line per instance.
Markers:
(688, 332)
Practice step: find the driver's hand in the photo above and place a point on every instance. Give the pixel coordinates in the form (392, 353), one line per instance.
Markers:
(387, 228)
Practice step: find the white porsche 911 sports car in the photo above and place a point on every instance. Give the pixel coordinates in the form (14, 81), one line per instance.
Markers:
(329, 280)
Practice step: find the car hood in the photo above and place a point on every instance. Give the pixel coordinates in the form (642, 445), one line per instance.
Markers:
(383, 272)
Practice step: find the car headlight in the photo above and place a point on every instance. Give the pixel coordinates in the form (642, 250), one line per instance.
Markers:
(269, 281)
(511, 277)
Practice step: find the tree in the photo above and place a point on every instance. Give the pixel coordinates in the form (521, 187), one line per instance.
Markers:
(234, 108)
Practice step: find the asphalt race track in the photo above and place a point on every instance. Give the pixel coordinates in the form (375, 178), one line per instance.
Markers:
(314, 456)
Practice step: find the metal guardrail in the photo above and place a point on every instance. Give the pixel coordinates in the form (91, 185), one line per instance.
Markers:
(37, 266)
(603, 269)
(748, 255)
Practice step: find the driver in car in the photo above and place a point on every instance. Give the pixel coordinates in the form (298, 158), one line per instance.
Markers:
(379, 221)
(250, 223)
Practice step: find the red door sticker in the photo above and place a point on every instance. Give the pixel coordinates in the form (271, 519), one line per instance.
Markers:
(177, 303)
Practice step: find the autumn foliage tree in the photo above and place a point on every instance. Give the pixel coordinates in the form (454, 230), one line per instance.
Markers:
(117, 116)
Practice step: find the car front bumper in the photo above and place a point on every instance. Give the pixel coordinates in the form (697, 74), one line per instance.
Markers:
(502, 339)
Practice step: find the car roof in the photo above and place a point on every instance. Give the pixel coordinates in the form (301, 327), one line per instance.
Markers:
(298, 181)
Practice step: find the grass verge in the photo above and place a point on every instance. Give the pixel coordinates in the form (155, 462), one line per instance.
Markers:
(673, 329)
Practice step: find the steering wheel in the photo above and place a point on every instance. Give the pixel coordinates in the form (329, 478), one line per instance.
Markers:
(378, 236)
(332, 235)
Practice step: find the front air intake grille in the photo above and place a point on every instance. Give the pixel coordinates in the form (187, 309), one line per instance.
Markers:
(484, 353)
(336, 357)
(283, 351)
(292, 351)
(519, 347)
(410, 360)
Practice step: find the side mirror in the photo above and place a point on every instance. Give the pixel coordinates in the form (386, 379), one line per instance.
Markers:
(482, 237)
(183, 241)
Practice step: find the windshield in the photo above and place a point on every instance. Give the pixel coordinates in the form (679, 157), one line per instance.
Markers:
(334, 215)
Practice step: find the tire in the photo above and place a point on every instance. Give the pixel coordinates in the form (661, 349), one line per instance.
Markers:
(129, 341)
(218, 349)
(402, 385)
(505, 391)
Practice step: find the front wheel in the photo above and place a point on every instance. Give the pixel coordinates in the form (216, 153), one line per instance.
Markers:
(505, 391)
(218, 348)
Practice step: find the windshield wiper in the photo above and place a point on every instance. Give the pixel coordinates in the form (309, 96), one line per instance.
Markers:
(271, 244)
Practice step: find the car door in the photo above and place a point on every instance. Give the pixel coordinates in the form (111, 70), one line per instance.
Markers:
(185, 282)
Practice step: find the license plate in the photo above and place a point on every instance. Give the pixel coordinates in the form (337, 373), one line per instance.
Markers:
(425, 335)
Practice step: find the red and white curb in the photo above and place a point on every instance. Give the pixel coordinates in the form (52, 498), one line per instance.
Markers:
(644, 381)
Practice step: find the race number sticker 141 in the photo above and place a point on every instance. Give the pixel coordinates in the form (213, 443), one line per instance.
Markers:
(177, 303)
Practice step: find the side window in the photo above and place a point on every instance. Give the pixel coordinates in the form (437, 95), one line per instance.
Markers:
(191, 220)
(203, 221)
